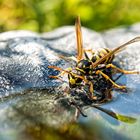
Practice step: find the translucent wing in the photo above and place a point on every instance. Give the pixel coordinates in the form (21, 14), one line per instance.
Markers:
(117, 116)
(136, 39)
(79, 39)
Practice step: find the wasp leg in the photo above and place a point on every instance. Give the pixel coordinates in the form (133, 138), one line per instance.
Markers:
(121, 70)
(79, 109)
(91, 90)
(108, 78)
(74, 58)
(62, 72)
(55, 77)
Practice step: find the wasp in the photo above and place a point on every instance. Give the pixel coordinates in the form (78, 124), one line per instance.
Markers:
(92, 70)
(97, 67)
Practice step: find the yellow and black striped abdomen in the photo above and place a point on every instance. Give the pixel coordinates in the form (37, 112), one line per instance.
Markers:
(101, 53)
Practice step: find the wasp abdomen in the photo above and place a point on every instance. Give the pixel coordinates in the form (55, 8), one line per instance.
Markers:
(101, 53)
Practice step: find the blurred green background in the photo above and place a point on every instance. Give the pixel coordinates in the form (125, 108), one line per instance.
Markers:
(45, 15)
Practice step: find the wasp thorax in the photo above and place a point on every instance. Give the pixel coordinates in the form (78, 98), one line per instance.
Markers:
(84, 66)
(101, 53)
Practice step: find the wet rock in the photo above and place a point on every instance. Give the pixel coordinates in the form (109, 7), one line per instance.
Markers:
(25, 56)
(27, 93)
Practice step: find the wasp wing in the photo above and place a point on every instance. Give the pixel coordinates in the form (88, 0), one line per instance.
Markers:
(79, 39)
(117, 116)
(136, 39)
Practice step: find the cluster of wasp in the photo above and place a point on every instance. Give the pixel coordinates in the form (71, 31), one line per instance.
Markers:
(95, 72)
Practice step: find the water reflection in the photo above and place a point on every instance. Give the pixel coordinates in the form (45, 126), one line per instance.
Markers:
(36, 114)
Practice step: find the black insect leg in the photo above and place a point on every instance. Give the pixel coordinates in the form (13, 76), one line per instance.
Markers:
(78, 108)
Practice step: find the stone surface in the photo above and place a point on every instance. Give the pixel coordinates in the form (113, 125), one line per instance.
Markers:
(27, 93)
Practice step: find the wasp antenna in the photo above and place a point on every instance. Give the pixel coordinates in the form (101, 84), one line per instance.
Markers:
(79, 38)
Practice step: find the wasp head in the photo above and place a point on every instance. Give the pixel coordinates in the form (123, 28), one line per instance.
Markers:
(74, 79)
